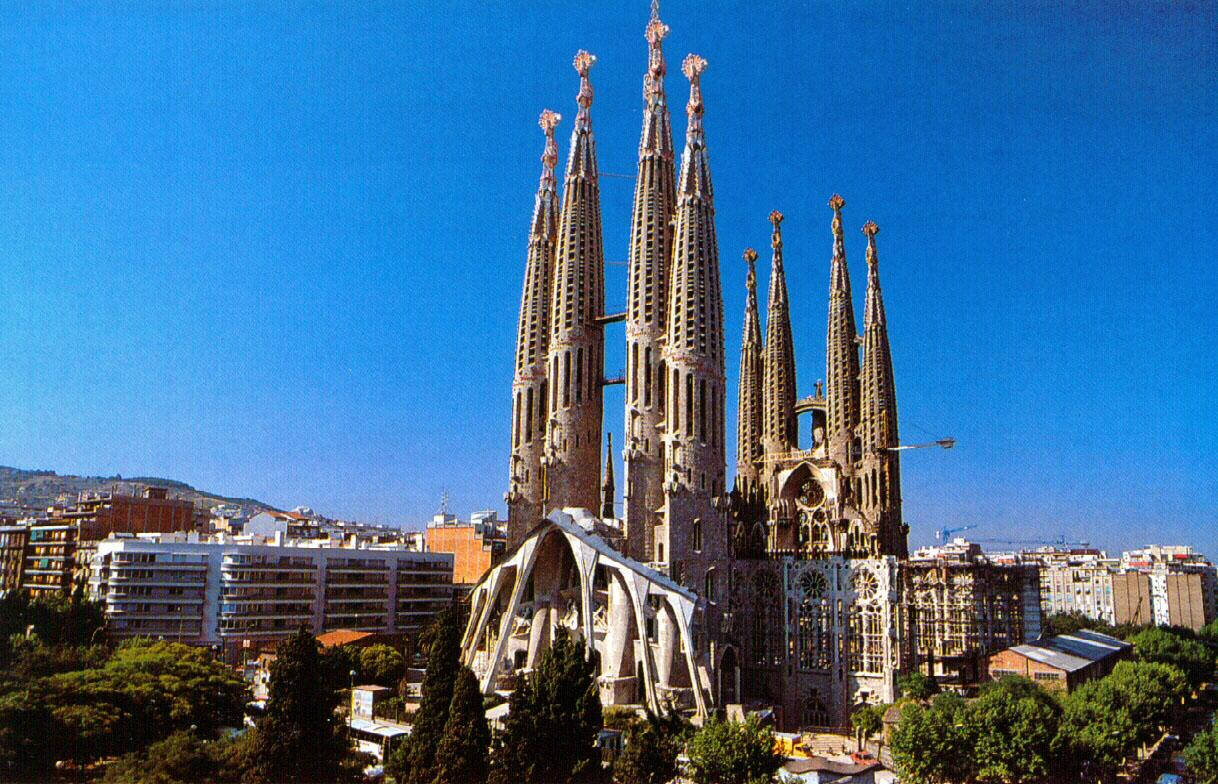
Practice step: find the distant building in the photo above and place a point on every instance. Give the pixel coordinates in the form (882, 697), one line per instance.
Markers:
(13, 541)
(1160, 585)
(1063, 662)
(476, 545)
(50, 559)
(239, 595)
(100, 514)
(375, 736)
(962, 606)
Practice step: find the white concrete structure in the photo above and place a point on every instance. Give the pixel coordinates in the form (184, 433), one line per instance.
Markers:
(564, 576)
(211, 593)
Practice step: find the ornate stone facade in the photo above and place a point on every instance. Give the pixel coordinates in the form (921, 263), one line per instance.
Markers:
(794, 589)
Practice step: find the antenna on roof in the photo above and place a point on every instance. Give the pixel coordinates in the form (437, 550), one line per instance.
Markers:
(443, 510)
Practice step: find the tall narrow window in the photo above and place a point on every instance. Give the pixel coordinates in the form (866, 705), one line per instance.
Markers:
(528, 416)
(696, 535)
(566, 379)
(689, 404)
(579, 375)
(516, 422)
(702, 410)
(634, 372)
(646, 376)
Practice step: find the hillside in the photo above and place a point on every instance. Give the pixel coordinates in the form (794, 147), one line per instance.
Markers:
(38, 489)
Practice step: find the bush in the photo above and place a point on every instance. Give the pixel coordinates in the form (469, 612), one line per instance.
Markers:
(727, 752)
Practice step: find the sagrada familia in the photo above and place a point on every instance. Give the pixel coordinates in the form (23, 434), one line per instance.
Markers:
(793, 587)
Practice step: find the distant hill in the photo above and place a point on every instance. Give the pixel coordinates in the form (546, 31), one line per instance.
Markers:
(38, 489)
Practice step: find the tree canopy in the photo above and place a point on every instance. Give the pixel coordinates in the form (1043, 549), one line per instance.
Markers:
(729, 752)
(553, 719)
(299, 738)
(463, 754)
(1191, 656)
(651, 749)
(413, 762)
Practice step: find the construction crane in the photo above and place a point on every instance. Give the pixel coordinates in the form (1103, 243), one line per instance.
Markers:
(1060, 541)
(942, 443)
(945, 534)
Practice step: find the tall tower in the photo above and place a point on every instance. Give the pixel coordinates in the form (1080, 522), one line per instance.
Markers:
(694, 534)
(608, 487)
(749, 401)
(650, 246)
(881, 466)
(779, 429)
(576, 361)
(525, 477)
(841, 356)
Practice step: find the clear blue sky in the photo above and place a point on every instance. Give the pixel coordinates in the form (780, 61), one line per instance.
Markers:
(275, 249)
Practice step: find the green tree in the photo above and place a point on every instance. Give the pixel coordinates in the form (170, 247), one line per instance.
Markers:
(1191, 656)
(867, 720)
(1096, 732)
(144, 692)
(727, 752)
(182, 758)
(1202, 756)
(1209, 632)
(382, 665)
(463, 754)
(550, 733)
(299, 738)
(1012, 726)
(931, 743)
(27, 735)
(650, 755)
(413, 762)
(917, 685)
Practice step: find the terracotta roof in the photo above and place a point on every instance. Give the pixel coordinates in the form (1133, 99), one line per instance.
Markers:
(824, 765)
(342, 637)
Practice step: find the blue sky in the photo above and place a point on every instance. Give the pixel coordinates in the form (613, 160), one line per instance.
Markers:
(275, 249)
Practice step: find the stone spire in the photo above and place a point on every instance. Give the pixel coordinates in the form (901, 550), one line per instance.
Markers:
(647, 287)
(879, 400)
(779, 428)
(841, 353)
(526, 480)
(607, 485)
(693, 358)
(881, 467)
(749, 402)
(576, 360)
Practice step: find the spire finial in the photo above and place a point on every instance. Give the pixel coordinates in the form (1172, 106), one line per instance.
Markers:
(549, 157)
(776, 237)
(871, 229)
(693, 67)
(655, 10)
(837, 202)
(583, 64)
(653, 83)
(750, 258)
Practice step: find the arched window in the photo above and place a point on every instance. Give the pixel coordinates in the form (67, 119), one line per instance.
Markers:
(696, 535)
(768, 631)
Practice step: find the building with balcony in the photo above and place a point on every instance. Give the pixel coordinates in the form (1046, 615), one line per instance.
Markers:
(238, 595)
(13, 542)
(50, 559)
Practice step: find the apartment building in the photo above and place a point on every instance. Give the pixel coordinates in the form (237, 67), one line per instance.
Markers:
(236, 595)
(476, 545)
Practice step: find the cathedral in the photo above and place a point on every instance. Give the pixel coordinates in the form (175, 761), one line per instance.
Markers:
(792, 588)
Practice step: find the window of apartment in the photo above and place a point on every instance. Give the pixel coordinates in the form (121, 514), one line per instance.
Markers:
(1046, 676)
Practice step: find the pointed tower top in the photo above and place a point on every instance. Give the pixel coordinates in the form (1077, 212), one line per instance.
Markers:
(549, 157)
(693, 66)
(750, 258)
(583, 64)
(837, 202)
(871, 229)
(776, 237)
(608, 490)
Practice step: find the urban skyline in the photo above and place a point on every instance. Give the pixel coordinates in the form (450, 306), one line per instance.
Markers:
(360, 421)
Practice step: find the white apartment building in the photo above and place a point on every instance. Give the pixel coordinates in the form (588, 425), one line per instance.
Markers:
(235, 594)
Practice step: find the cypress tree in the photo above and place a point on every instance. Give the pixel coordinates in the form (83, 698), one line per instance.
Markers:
(550, 732)
(461, 757)
(414, 760)
(299, 738)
